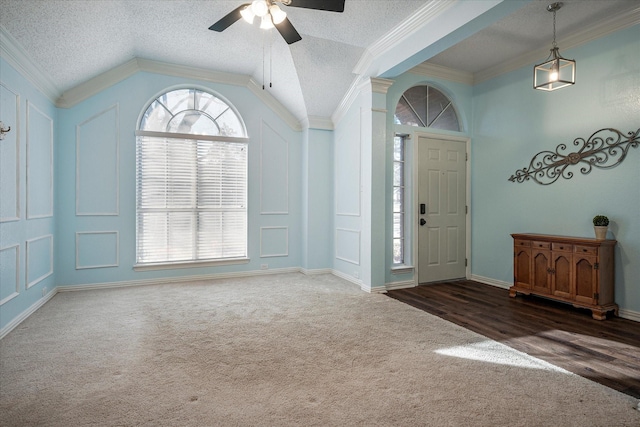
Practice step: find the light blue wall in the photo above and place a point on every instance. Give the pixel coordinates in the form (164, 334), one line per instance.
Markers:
(96, 143)
(27, 235)
(317, 199)
(512, 122)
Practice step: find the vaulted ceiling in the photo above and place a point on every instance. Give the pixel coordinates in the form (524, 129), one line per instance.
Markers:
(74, 41)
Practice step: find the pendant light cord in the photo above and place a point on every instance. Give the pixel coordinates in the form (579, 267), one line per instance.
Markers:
(264, 49)
(270, 58)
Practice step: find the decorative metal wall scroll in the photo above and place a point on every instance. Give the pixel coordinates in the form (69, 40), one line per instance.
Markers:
(604, 149)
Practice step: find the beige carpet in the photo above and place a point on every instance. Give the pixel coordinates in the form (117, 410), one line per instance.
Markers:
(275, 351)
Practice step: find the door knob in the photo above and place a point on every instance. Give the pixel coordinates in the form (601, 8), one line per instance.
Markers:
(422, 221)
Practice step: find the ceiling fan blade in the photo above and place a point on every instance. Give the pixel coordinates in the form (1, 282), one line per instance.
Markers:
(229, 19)
(329, 5)
(288, 33)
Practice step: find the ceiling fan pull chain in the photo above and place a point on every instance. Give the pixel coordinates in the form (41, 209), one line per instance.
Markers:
(270, 58)
(263, 63)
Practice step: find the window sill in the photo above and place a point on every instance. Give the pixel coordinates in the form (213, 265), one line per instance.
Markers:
(402, 269)
(189, 264)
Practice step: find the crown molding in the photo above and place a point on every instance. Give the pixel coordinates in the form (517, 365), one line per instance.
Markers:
(380, 85)
(17, 57)
(317, 122)
(601, 29)
(444, 73)
(414, 23)
(93, 86)
(274, 104)
(115, 75)
(347, 100)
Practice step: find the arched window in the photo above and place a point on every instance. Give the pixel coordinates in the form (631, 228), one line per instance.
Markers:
(191, 180)
(427, 107)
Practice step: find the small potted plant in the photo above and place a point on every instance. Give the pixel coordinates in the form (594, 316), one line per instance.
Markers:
(600, 225)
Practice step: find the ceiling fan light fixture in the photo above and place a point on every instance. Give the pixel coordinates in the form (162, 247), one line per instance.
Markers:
(556, 72)
(247, 14)
(266, 22)
(260, 8)
(277, 15)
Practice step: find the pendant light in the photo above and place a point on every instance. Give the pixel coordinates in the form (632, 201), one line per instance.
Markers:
(556, 72)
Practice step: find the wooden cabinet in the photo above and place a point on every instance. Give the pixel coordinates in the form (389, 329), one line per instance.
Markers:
(574, 270)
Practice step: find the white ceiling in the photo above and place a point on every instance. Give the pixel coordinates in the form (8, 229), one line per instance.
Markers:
(76, 40)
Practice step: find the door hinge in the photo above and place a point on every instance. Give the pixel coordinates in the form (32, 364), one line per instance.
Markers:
(466, 262)
(596, 266)
(466, 210)
(466, 157)
(596, 296)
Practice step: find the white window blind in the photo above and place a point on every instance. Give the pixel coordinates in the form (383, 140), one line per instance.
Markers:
(191, 191)
(191, 199)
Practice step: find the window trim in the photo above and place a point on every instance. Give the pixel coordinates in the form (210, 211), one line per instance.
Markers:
(190, 264)
(405, 265)
(191, 136)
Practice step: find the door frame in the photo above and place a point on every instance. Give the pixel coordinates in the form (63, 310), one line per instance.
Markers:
(414, 184)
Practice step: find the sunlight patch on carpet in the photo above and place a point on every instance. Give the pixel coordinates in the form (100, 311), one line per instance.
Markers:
(494, 352)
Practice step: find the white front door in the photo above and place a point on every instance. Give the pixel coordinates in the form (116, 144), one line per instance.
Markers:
(441, 209)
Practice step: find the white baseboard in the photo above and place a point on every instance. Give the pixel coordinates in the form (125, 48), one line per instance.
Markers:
(351, 279)
(182, 279)
(316, 271)
(400, 285)
(28, 312)
(629, 314)
(492, 282)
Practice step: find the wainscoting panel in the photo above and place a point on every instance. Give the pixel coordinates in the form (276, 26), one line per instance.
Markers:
(39, 260)
(348, 245)
(10, 156)
(39, 163)
(9, 273)
(274, 173)
(97, 160)
(274, 242)
(97, 249)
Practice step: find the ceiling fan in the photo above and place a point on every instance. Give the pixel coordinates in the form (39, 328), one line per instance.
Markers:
(271, 15)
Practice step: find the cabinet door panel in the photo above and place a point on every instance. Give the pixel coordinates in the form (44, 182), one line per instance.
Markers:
(522, 268)
(561, 276)
(540, 270)
(586, 279)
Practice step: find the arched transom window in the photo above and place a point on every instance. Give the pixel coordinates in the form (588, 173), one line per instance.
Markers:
(427, 107)
(191, 181)
(192, 111)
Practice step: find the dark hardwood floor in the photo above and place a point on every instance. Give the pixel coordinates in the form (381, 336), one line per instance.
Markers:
(607, 351)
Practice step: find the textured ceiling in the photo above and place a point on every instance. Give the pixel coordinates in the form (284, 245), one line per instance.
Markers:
(76, 40)
(529, 29)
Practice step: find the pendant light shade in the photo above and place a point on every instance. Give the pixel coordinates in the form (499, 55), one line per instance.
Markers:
(556, 72)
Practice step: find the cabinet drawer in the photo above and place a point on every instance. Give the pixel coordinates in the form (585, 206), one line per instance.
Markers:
(519, 243)
(562, 247)
(591, 250)
(541, 245)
